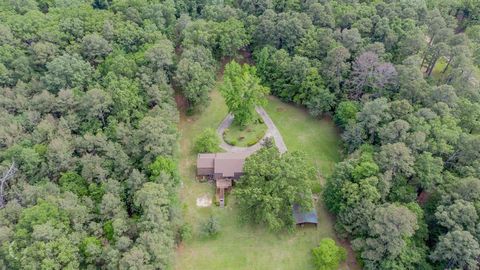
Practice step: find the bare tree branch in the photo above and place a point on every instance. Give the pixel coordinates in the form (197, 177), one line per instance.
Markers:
(7, 175)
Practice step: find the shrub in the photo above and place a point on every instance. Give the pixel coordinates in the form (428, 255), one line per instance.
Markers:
(210, 227)
(252, 141)
(207, 142)
(231, 141)
(185, 232)
(268, 142)
(163, 164)
(328, 256)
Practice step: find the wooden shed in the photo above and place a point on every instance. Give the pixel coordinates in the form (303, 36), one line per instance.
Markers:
(303, 217)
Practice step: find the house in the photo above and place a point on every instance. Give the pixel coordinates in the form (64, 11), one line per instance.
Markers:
(221, 165)
(304, 217)
(224, 168)
(205, 165)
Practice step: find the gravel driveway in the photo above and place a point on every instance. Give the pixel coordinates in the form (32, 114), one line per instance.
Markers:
(272, 131)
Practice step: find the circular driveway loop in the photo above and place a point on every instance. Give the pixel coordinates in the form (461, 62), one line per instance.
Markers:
(272, 131)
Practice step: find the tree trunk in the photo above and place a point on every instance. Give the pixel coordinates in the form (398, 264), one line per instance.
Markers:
(448, 64)
(431, 66)
(425, 54)
(3, 181)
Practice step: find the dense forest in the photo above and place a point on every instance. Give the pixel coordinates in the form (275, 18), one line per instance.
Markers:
(88, 134)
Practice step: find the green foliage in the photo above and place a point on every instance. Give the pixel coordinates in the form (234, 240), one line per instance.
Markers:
(195, 80)
(108, 230)
(127, 101)
(67, 71)
(232, 36)
(328, 256)
(242, 91)
(96, 191)
(41, 213)
(207, 142)
(315, 95)
(265, 196)
(91, 247)
(459, 248)
(71, 181)
(87, 105)
(346, 112)
(210, 227)
(186, 232)
(245, 135)
(163, 164)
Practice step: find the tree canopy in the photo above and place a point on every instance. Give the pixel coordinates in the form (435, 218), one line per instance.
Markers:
(271, 185)
(242, 91)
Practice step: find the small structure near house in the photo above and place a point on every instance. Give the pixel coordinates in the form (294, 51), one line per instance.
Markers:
(304, 217)
(223, 185)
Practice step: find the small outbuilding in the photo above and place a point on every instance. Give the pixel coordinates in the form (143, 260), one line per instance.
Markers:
(303, 217)
(223, 185)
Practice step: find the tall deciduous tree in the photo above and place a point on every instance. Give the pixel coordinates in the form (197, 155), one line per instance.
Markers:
(389, 231)
(272, 184)
(457, 249)
(232, 36)
(242, 91)
(67, 71)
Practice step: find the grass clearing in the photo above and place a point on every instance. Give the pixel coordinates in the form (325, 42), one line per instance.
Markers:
(240, 246)
(318, 139)
(437, 72)
(245, 136)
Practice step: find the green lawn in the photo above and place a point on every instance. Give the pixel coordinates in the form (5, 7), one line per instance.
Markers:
(437, 72)
(243, 246)
(245, 136)
(318, 139)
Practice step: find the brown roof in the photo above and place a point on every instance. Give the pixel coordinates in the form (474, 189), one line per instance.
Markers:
(226, 164)
(205, 161)
(229, 163)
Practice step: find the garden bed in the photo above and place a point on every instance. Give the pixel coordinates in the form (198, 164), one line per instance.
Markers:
(245, 136)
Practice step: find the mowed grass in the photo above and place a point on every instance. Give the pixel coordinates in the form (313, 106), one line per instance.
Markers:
(245, 136)
(318, 139)
(240, 246)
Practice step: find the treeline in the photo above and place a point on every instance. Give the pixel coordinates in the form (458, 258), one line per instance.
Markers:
(401, 79)
(89, 122)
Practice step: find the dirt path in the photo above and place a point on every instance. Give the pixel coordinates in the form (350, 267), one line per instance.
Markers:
(272, 131)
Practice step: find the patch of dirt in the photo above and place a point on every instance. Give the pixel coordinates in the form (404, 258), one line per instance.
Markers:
(351, 261)
(423, 197)
(243, 57)
(280, 109)
(182, 103)
(204, 201)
